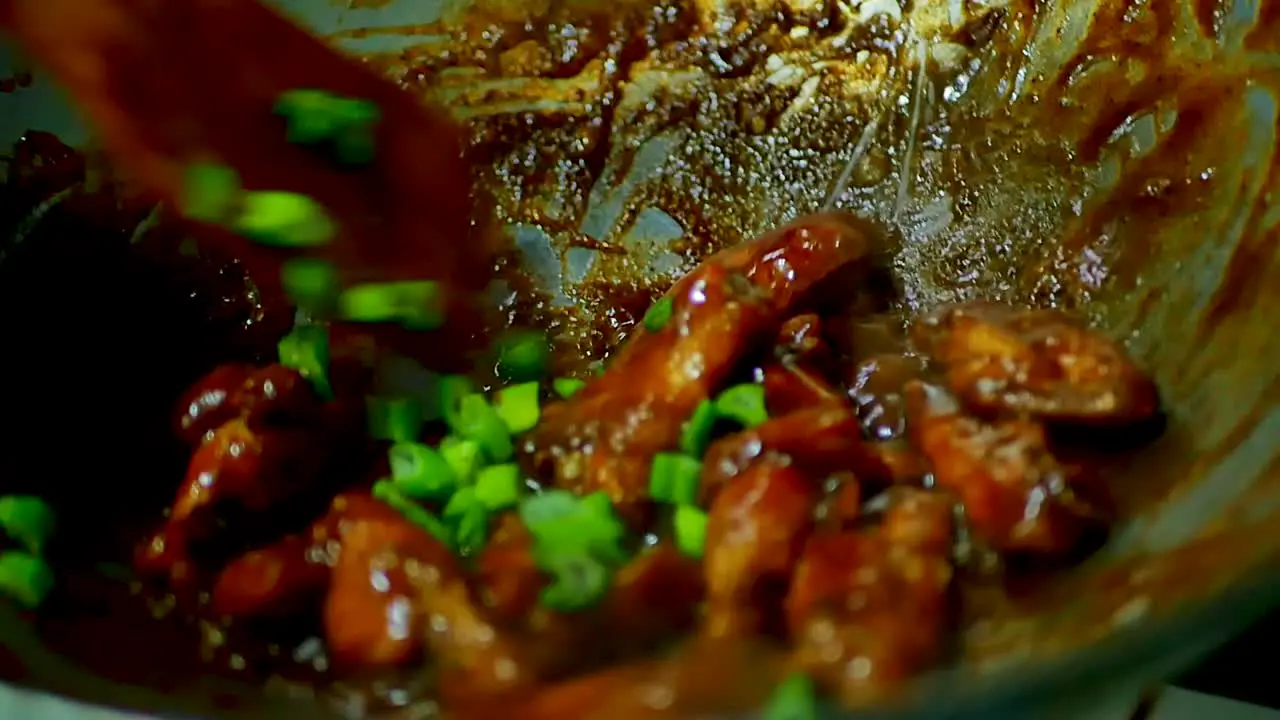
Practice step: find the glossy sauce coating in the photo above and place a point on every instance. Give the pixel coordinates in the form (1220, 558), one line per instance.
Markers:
(830, 525)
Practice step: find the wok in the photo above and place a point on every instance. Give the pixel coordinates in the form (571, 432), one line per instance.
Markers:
(1117, 158)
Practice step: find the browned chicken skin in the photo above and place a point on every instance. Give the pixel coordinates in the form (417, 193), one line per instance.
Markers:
(1038, 362)
(868, 609)
(1017, 495)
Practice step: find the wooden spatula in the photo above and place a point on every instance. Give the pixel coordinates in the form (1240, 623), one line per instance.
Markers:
(171, 83)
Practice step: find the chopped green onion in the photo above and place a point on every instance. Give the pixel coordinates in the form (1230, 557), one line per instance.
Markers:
(420, 472)
(578, 582)
(472, 530)
(284, 219)
(523, 357)
(600, 506)
(498, 487)
(691, 530)
(567, 387)
(460, 503)
(462, 456)
(25, 578)
(578, 541)
(387, 492)
(355, 145)
(210, 192)
(575, 524)
(659, 314)
(548, 507)
(306, 350)
(696, 435)
(743, 404)
(28, 520)
(316, 116)
(311, 284)
(673, 478)
(517, 405)
(452, 388)
(395, 419)
(478, 421)
(417, 304)
(794, 699)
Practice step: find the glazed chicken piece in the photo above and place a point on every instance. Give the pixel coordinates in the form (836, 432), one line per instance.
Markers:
(790, 387)
(272, 395)
(800, 341)
(869, 609)
(822, 440)
(877, 388)
(604, 437)
(377, 611)
(282, 455)
(1036, 362)
(290, 576)
(756, 528)
(1017, 495)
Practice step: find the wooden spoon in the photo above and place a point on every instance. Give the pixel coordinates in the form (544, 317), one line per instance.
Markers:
(167, 83)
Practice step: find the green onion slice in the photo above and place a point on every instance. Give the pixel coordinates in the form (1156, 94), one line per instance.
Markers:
(460, 503)
(25, 578)
(210, 192)
(673, 478)
(744, 404)
(416, 304)
(691, 530)
(396, 419)
(311, 284)
(452, 389)
(284, 219)
(696, 435)
(578, 582)
(567, 387)
(575, 524)
(472, 529)
(463, 457)
(518, 406)
(659, 314)
(499, 487)
(316, 116)
(478, 421)
(28, 520)
(306, 350)
(420, 472)
(794, 699)
(386, 491)
(355, 145)
(523, 357)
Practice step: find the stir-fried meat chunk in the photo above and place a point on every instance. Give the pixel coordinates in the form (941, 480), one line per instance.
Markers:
(877, 391)
(1017, 495)
(291, 575)
(603, 438)
(821, 440)
(1037, 362)
(755, 530)
(283, 454)
(374, 614)
(869, 609)
(790, 387)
